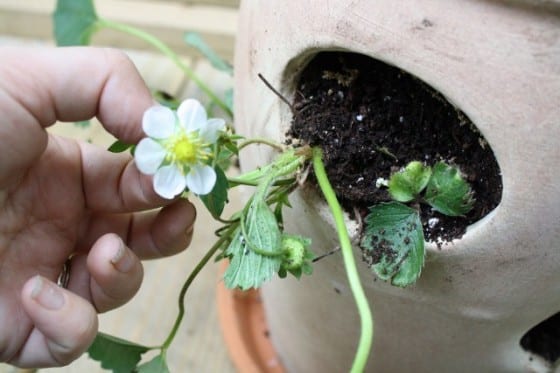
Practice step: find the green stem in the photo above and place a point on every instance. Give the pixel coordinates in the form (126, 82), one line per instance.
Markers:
(236, 181)
(270, 143)
(189, 281)
(366, 319)
(162, 47)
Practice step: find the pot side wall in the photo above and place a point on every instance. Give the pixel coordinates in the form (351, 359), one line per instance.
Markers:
(500, 63)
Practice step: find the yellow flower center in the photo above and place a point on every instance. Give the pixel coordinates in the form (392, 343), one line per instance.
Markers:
(186, 149)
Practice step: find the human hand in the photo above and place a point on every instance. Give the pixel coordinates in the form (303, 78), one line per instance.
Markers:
(62, 198)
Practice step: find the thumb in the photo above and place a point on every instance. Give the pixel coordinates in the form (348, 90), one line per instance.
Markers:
(64, 325)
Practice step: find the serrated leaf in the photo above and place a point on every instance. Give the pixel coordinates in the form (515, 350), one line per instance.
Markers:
(393, 243)
(261, 228)
(256, 250)
(156, 365)
(406, 185)
(195, 40)
(247, 269)
(116, 354)
(216, 200)
(74, 22)
(447, 192)
(119, 147)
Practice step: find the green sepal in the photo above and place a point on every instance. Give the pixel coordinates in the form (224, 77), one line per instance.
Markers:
(447, 192)
(74, 22)
(406, 185)
(116, 354)
(393, 243)
(119, 147)
(296, 255)
(216, 200)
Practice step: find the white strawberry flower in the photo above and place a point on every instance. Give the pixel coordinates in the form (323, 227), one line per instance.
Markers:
(178, 148)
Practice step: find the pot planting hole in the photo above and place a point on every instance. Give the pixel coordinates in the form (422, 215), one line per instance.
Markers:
(544, 339)
(372, 119)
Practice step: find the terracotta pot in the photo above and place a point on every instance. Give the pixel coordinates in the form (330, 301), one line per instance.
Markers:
(499, 61)
(245, 330)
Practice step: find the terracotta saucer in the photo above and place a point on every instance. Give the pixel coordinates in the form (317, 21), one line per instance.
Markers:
(245, 330)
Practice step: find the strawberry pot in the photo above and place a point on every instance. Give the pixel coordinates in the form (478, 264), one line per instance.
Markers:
(472, 82)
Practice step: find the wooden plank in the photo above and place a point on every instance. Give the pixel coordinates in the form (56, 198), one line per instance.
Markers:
(166, 20)
(225, 3)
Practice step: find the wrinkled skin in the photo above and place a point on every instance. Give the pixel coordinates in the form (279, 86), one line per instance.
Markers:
(60, 197)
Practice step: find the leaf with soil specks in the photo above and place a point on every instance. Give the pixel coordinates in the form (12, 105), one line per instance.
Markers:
(393, 243)
(447, 192)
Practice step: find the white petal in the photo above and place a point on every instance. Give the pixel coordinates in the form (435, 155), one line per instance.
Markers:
(192, 115)
(210, 132)
(159, 122)
(148, 156)
(201, 179)
(169, 182)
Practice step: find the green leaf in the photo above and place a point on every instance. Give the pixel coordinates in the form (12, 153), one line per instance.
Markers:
(119, 147)
(74, 22)
(216, 200)
(261, 228)
(156, 365)
(193, 39)
(256, 249)
(116, 354)
(248, 269)
(406, 185)
(447, 192)
(393, 243)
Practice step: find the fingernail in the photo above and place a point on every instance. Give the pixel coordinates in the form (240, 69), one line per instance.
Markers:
(47, 294)
(122, 260)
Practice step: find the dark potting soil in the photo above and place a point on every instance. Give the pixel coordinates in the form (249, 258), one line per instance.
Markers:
(372, 119)
(544, 339)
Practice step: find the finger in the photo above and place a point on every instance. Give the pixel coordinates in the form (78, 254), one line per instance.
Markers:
(64, 325)
(116, 273)
(112, 183)
(152, 234)
(114, 91)
(168, 233)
